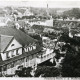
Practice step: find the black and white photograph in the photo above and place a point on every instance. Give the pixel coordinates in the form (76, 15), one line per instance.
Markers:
(40, 38)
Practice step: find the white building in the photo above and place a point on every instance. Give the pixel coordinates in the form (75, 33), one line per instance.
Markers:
(42, 22)
(16, 49)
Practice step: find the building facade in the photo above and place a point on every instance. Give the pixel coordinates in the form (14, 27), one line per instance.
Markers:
(16, 50)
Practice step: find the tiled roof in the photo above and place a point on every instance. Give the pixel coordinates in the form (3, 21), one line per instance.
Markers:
(5, 40)
(20, 36)
(7, 35)
(10, 24)
(21, 23)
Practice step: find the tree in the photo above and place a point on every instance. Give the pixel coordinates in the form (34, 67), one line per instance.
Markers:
(75, 12)
(57, 56)
(71, 62)
(71, 65)
(47, 71)
(25, 72)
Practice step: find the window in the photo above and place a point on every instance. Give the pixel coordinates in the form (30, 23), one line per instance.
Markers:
(7, 55)
(34, 47)
(0, 68)
(30, 48)
(12, 65)
(12, 53)
(17, 51)
(26, 49)
(12, 45)
(26, 60)
(4, 68)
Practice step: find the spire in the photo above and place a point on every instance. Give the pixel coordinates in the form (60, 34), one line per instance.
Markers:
(47, 6)
(47, 10)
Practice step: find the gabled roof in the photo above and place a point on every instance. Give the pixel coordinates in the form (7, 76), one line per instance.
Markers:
(4, 41)
(7, 35)
(20, 36)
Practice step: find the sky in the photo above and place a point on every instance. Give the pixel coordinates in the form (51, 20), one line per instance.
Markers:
(41, 3)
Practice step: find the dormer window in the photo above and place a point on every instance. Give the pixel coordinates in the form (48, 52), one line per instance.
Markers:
(12, 45)
(26, 49)
(30, 48)
(34, 47)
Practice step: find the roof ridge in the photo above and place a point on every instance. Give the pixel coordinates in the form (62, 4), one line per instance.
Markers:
(5, 40)
(6, 35)
(20, 36)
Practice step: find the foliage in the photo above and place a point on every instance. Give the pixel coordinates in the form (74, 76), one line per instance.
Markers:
(47, 71)
(71, 65)
(75, 12)
(44, 12)
(57, 56)
(71, 62)
(25, 72)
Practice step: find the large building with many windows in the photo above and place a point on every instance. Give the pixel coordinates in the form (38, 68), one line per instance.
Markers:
(16, 49)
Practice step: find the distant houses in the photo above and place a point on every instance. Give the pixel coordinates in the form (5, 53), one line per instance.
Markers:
(5, 20)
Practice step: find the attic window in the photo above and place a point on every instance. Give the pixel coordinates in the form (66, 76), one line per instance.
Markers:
(12, 45)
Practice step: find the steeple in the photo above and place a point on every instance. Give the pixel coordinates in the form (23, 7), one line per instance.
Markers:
(47, 6)
(47, 10)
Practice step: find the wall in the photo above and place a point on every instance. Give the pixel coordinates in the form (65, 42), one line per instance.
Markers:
(10, 48)
(49, 22)
(25, 61)
(16, 45)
